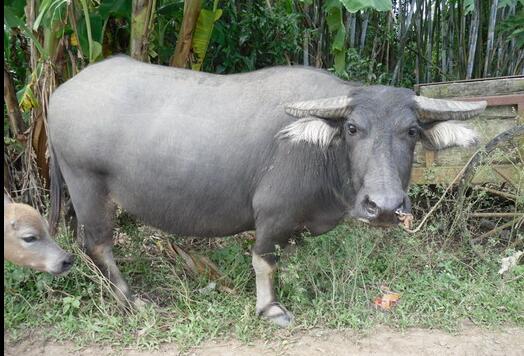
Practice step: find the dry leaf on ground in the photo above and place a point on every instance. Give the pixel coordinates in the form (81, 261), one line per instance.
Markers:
(201, 265)
(388, 299)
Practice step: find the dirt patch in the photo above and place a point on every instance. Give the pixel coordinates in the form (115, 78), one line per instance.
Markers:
(380, 341)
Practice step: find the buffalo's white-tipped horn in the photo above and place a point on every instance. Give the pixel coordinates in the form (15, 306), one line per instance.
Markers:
(430, 110)
(328, 108)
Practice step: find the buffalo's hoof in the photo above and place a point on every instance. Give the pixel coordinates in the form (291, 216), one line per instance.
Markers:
(134, 303)
(140, 304)
(276, 313)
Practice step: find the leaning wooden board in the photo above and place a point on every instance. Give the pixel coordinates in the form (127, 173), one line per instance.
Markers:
(505, 97)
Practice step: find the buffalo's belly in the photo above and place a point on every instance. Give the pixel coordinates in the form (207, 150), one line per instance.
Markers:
(184, 208)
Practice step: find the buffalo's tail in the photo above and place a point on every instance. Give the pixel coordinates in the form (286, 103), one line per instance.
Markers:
(57, 183)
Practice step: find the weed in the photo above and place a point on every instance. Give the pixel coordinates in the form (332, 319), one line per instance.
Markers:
(327, 281)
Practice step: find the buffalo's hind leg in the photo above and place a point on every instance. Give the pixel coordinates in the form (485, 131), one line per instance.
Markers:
(264, 263)
(95, 218)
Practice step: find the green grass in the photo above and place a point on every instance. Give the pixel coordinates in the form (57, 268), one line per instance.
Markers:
(328, 281)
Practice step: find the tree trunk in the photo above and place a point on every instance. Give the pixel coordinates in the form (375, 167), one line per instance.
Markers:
(16, 123)
(183, 44)
(140, 28)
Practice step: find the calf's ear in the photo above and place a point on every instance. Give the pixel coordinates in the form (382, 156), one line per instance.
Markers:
(7, 200)
(445, 134)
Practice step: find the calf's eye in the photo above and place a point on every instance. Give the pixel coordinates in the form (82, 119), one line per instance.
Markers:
(352, 129)
(413, 131)
(29, 239)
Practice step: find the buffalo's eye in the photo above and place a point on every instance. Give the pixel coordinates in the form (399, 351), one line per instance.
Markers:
(29, 238)
(352, 129)
(413, 131)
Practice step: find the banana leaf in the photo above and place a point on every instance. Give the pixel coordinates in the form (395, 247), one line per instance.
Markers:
(336, 28)
(357, 5)
(203, 30)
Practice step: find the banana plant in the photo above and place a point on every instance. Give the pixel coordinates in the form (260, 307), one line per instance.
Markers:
(335, 22)
(202, 34)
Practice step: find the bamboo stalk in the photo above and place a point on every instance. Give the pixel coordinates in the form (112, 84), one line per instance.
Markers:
(473, 37)
(491, 36)
(443, 36)
(352, 29)
(462, 45)
(405, 26)
(429, 45)
(364, 30)
(305, 48)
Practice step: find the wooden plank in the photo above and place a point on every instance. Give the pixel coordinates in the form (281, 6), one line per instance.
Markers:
(429, 157)
(418, 86)
(503, 86)
(445, 175)
(499, 112)
(497, 100)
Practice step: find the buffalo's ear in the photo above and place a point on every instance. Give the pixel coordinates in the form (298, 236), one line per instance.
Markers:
(444, 134)
(439, 132)
(311, 130)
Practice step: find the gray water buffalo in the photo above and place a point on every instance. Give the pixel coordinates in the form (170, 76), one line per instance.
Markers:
(280, 150)
(27, 241)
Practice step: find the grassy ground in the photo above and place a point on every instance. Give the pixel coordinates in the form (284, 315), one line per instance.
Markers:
(326, 281)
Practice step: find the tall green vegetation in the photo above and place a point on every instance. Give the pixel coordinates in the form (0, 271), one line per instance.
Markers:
(397, 42)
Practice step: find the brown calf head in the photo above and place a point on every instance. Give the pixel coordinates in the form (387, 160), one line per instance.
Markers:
(27, 241)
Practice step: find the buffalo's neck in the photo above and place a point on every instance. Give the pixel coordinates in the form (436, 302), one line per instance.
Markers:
(335, 193)
(313, 179)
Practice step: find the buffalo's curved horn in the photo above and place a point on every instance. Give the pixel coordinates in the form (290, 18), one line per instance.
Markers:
(430, 110)
(328, 108)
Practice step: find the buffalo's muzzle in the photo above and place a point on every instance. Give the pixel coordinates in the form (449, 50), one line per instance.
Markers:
(385, 209)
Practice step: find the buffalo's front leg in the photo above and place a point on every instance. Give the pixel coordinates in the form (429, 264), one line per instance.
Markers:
(267, 305)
